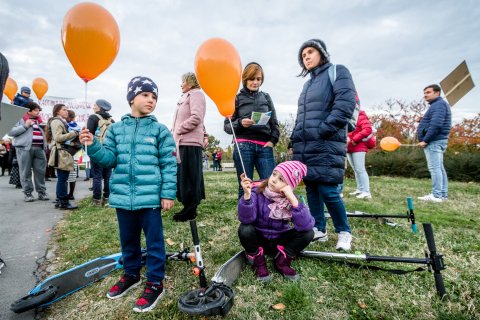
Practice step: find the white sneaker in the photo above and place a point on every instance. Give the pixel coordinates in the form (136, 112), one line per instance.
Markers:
(354, 193)
(344, 241)
(319, 235)
(364, 195)
(430, 197)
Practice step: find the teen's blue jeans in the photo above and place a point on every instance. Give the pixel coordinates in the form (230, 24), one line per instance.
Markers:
(131, 224)
(100, 174)
(253, 156)
(357, 162)
(320, 194)
(434, 152)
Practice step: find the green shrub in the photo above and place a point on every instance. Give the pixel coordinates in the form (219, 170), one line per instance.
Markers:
(411, 163)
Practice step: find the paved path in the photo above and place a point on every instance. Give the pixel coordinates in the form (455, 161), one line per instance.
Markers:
(25, 229)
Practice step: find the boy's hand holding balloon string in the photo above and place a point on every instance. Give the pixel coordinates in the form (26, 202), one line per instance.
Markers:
(86, 138)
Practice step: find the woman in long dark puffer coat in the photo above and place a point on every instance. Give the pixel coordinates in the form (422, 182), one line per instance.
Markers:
(319, 138)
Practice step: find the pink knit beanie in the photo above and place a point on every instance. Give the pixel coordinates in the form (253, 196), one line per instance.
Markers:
(292, 171)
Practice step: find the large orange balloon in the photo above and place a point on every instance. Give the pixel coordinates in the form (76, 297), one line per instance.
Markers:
(10, 88)
(90, 38)
(40, 87)
(219, 71)
(389, 144)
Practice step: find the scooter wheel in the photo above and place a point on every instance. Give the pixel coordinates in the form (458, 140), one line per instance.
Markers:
(202, 302)
(34, 300)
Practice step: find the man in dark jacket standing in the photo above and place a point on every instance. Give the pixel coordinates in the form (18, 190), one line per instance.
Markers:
(433, 133)
(319, 138)
(101, 108)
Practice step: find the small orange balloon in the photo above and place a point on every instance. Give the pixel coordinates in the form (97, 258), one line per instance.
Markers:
(10, 88)
(40, 87)
(90, 38)
(389, 144)
(219, 71)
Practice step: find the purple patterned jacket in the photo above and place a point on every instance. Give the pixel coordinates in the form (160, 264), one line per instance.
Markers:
(256, 211)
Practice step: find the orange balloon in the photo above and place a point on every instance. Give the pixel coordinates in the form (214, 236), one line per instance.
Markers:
(40, 87)
(219, 71)
(10, 88)
(389, 144)
(90, 38)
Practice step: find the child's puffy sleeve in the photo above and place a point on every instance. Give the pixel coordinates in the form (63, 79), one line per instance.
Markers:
(168, 164)
(302, 218)
(104, 155)
(247, 209)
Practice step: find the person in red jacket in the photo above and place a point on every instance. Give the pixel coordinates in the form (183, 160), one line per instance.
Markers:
(356, 151)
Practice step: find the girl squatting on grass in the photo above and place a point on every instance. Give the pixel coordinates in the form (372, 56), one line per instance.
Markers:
(142, 153)
(273, 221)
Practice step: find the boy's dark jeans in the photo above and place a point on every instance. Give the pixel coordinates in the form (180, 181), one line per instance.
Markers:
(131, 224)
(99, 173)
(293, 241)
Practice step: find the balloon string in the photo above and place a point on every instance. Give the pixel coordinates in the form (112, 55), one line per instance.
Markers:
(408, 145)
(86, 150)
(236, 143)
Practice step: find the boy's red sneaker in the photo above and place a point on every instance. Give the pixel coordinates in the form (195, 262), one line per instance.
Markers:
(124, 285)
(150, 297)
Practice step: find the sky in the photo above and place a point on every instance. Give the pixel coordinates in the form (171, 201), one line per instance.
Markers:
(392, 48)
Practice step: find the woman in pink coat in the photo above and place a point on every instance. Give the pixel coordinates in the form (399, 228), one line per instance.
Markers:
(188, 131)
(356, 152)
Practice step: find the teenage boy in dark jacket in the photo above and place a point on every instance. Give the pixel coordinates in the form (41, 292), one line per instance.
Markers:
(433, 133)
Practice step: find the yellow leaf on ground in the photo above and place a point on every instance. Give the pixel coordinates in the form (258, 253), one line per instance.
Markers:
(362, 304)
(169, 242)
(279, 306)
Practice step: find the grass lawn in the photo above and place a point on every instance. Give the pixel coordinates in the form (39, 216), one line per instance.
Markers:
(327, 290)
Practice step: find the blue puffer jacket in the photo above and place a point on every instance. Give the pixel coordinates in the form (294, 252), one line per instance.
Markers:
(20, 100)
(319, 138)
(142, 151)
(436, 123)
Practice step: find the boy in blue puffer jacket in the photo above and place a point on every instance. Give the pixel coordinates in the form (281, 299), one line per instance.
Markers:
(144, 181)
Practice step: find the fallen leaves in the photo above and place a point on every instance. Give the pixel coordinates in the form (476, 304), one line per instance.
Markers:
(279, 306)
(362, 304)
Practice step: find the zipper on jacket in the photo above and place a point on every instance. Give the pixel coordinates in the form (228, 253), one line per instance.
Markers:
(132, 157)
(304, 114)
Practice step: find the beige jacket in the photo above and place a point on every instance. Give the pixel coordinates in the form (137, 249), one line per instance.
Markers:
(59, 157)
